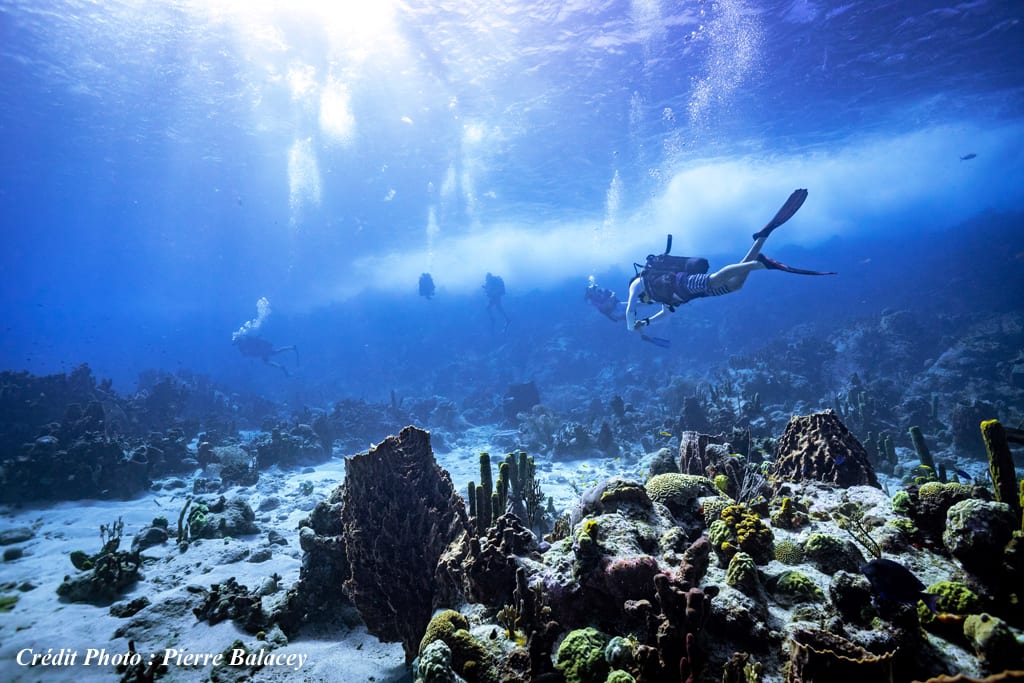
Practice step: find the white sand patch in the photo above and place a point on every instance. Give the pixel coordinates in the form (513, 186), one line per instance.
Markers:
(40, 623)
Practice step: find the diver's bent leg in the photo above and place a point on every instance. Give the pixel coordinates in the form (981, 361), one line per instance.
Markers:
(732, 277)
(288, 348)
(754, 250)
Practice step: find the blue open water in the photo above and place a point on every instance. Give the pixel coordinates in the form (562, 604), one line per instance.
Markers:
(164, 165)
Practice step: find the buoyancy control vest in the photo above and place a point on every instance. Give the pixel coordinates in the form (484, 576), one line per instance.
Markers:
(660, 272)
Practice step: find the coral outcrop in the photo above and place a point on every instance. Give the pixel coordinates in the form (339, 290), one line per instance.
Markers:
(105, 575)
(819, 447)
(399, 513)
(977, 532)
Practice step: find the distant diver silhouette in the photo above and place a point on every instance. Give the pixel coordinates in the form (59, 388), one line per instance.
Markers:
(494, 286)
(427, 286)
(605, 301)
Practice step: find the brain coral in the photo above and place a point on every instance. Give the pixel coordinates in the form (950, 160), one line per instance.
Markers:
(674, 489)
(788, 552)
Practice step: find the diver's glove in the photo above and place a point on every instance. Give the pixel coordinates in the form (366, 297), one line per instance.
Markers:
(641, 323)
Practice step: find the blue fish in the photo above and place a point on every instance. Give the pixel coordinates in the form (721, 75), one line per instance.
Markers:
(968, 157)
(892, 582)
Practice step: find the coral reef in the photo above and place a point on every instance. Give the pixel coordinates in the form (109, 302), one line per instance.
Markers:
(742, 574)
(468, 657)
(789, 552)
(928, 504)
(831, 554)
(630, 561)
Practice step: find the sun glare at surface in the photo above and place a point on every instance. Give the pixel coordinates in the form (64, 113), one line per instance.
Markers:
(355, 30)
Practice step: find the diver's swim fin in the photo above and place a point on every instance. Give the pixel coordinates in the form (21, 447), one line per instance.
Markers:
(657, 341)
(792, 205)
(772, 264)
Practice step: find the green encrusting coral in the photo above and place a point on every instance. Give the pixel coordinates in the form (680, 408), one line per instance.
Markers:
(789, 515)
(792, 587)
(902, 503)
(952, 597)
(442, 625)
(470, 658)
(994, 641)
(830, 554)
(581, 656)
(742, 574)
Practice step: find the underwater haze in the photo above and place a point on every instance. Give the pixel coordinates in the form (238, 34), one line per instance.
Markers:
(168, 164)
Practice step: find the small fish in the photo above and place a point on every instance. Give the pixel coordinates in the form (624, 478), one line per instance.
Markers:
(968, 157)
(893, 582)
(963, 474)
(840, 460)
(664, 433)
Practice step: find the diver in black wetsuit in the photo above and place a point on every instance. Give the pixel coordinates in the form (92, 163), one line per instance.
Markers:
(252, 345)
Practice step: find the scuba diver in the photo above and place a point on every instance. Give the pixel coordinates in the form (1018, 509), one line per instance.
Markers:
(675, 280)
(494, 286)
(427, 286)
(605, 301)
(252, 345)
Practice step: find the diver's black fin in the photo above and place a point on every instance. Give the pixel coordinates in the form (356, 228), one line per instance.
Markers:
(792, 205)
(772, 264)
(657, 341)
